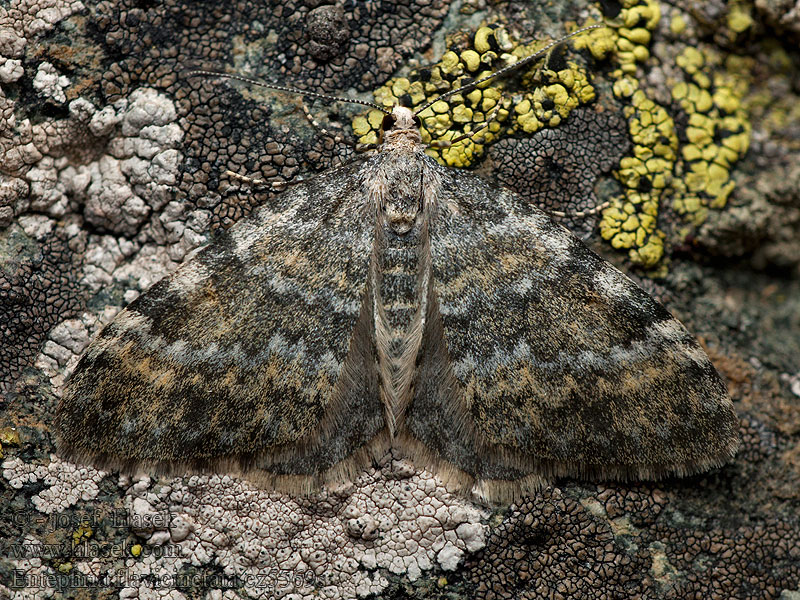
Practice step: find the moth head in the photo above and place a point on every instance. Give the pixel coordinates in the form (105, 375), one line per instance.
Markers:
(401, 127)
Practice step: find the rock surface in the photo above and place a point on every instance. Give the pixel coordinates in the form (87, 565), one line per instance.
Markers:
(112, 170)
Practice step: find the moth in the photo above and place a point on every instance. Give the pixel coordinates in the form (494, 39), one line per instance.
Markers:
(393, 304)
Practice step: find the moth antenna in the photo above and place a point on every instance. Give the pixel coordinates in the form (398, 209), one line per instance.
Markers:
(336, 137)
(583, 213)
(516, 65)
(275, 185)
(366, 147)
(281, 88)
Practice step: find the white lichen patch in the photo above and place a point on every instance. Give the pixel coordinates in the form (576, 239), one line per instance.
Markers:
(32, 577)
(65, 483)
(37, 227)
(342, 543)
(46, 195)
(132, 153)
(120, 189)
(10, 69)
(29, 19)
(66, 343)
(50, 83)
(14, 198)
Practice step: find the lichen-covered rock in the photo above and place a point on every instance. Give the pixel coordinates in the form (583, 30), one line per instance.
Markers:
(303, 546)
(782, 14)
(65, 483)
(113, 168)
(557, 169)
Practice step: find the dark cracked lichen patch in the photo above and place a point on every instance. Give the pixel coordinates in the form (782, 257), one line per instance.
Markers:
(38, 289)
(319, 47)
(681, 540)
(557, 169)
(550, 547)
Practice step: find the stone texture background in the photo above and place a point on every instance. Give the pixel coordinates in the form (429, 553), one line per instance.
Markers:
(112, 169)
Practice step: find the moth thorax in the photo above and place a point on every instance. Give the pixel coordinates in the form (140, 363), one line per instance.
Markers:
(402, 213)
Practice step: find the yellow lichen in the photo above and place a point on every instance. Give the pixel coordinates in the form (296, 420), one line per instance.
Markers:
(600, 42)
(717, 129)
(471, 59)
(630, 222)
(9, 436)
(552, 96)
(481, 40)
(695, 174)
(84, 532)
(462, 114)
(677, 25)
(649, 252)
(739, 17)
(450, 63)
(361, 126)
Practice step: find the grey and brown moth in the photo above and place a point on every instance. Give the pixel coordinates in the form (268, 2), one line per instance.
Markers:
(395, 304)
